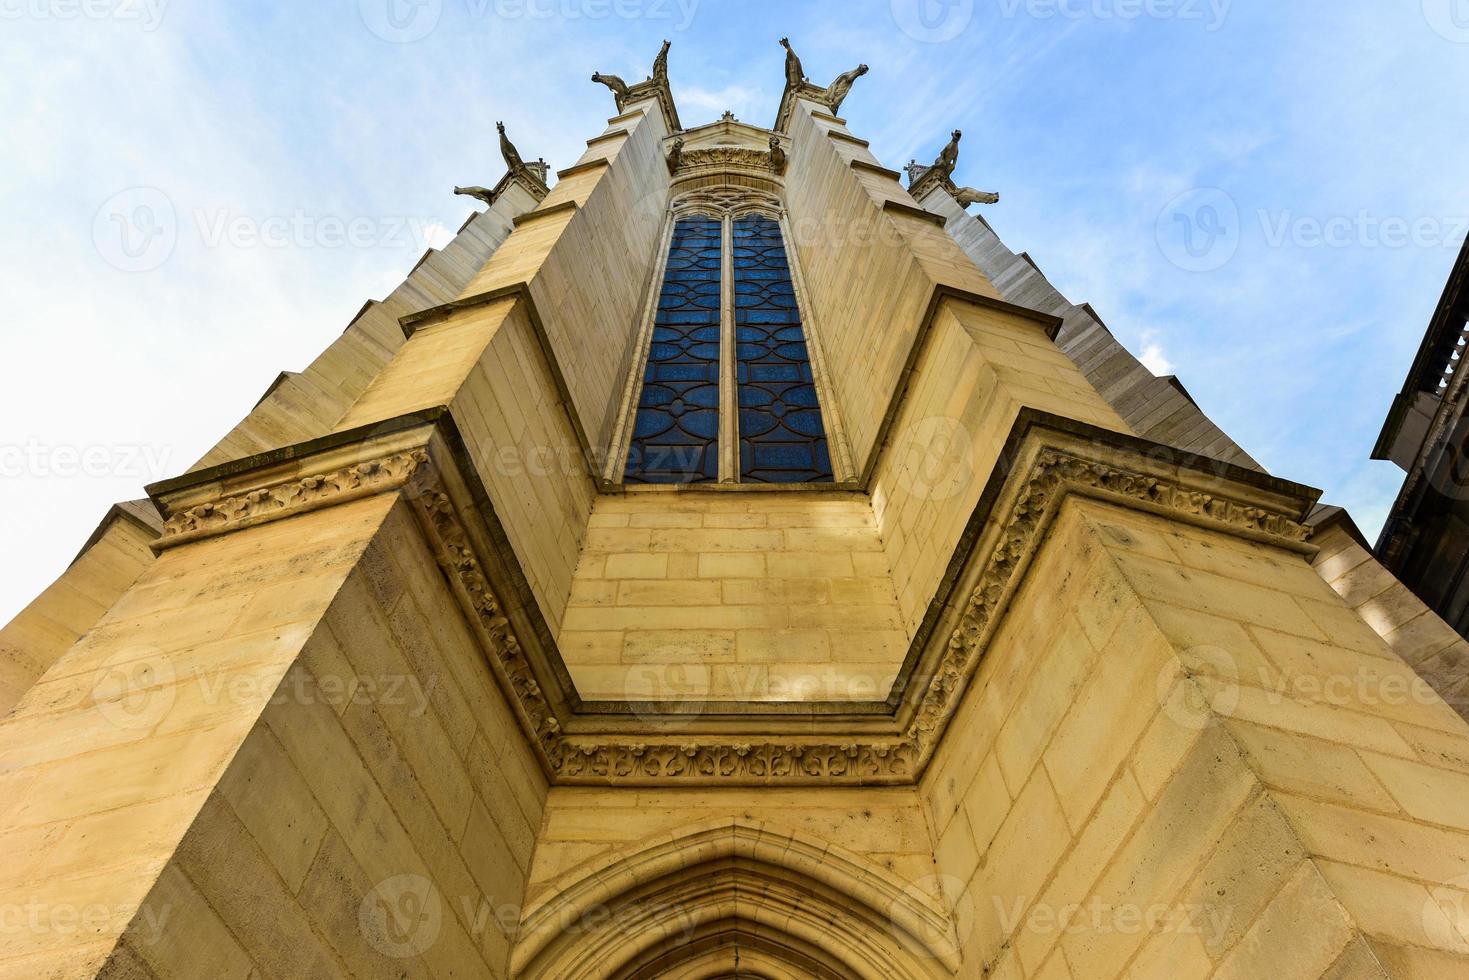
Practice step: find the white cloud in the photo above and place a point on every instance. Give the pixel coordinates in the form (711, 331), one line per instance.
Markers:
(1154, 360)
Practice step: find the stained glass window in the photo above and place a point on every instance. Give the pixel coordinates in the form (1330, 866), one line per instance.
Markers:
(781, 436)
(676, 433)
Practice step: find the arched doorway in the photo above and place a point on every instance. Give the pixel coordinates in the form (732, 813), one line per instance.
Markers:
(732, 899)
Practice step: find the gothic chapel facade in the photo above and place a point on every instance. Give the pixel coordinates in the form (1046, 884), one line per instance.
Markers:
(726, 561)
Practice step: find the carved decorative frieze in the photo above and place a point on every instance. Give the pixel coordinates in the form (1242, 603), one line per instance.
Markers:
(727, 158)
(1055, 474)
(578, 760)
(654, 757)
(718, 201)
(456, 554)
(271, 502)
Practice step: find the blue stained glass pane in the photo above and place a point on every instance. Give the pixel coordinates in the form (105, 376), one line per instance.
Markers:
(781, 436)
(676, 430)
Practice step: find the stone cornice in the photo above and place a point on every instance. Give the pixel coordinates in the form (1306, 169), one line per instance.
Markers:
(1046, 461)
(657, 90)
(712, 158)
(788, 97)
(942, 293)
(526, 180)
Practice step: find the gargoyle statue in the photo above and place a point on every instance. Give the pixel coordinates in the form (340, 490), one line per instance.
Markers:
(794, 75)
(836, 92)
(509, 152)
(968, 195)
(675, 154)
(479, 193)
(777, 155)
(948, 157)
(617, 85)
(660, 64)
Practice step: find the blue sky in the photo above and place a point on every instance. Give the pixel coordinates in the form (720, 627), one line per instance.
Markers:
(298, 159)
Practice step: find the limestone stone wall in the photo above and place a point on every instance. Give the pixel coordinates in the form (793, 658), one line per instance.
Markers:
(486, 364)
(869, 272)
(379, 818)
(46, 628)
(977, 369)
(733, 596)
(1185, 756)
(108, 759)
(588, 269)
(1156, 408)
(1433, 648)
(584, 825)
(527, 387)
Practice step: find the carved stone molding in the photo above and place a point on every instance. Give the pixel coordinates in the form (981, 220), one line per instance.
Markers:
(456, 555)
(805, 90)
(783, 761)
(719, 201)
(1055, 474)
(589, 745)
(285, 499)
(760, 162)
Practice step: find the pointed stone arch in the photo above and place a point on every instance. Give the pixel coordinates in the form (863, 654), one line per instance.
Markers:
(726, 199)
(681, 903)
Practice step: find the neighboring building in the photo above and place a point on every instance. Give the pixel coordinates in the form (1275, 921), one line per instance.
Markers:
(724, 562)
(1425, 541)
